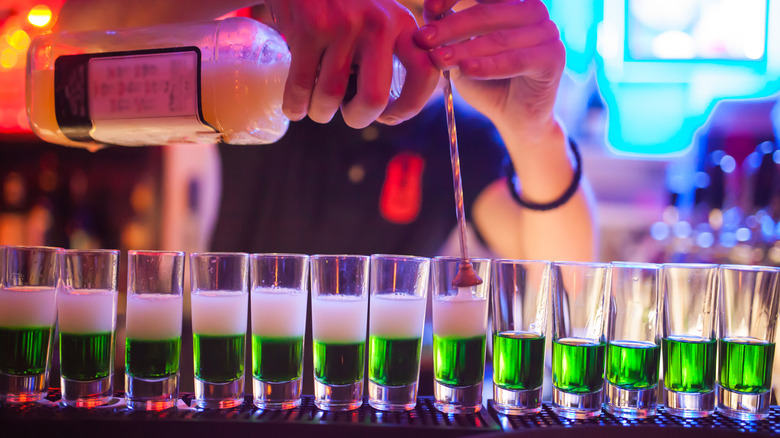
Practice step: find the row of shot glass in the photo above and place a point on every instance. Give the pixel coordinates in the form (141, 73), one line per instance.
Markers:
(608, 331)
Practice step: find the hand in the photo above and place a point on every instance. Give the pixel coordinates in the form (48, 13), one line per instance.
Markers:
(326, 38)
(506, 58)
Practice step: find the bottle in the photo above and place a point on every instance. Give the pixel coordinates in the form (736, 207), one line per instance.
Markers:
(218, 81)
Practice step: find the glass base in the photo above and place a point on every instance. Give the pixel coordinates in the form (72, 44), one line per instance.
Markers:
(511, 402)
(392, 398)
(151, 394)
(628, 403)
(457, 399)
(338, 397)
(219, 395)
(742, 405)
(577, 406)
(86, 394)
(689, 404)
(23, 389)
(277, 395)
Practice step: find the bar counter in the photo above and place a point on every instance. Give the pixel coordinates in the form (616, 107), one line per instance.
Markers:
(116, 420)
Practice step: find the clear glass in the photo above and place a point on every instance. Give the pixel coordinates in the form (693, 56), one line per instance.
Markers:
(580, 297)
(219, 303)
(280, 292)
(459, 336)
(240, 67)
(749, 297)
(86, 307)
(633, 341)
(28, 312)
(153, 329)
(689, 344)
(339, 305)
(399, 289)
(520, 296)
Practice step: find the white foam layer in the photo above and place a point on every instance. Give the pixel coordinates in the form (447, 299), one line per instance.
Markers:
(219, 313)
(28, 307)
(458, 317)
(338, 318)
(154, 316)
(278, 312)
(396, 316)
(87, 311)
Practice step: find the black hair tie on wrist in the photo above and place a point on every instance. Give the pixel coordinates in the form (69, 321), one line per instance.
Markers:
(564, 198)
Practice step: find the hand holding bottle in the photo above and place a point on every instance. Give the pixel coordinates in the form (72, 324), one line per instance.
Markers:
(328, 40)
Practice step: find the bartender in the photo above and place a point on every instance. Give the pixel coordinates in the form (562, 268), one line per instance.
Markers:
(359, 180)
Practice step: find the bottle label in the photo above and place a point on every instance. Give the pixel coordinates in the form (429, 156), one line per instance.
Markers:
(131, 98)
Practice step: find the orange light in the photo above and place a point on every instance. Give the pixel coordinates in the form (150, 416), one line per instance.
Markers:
(19, 40)
(39, 15)
(8, 58)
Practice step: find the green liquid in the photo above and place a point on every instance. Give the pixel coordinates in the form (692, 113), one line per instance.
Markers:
(86, 357)
(578, 365)
(689, 364)
(24, 351)
(458, 361)
(518, 360)
(218, 359)
(339, 364)
(746, 364)
(277, 359)
(393, 362)
(152, 359)
(633, 365)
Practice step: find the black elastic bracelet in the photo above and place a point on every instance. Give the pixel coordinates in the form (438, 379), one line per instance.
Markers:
(564, 198)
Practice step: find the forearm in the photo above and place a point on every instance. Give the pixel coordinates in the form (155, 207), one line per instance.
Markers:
(81, 15)
(542, 164)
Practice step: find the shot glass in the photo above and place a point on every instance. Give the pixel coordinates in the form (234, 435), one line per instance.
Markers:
(520, 290)
(633, 341)
(688, 345)
(339, 287)
(153, 330)
(28, 312)
(219, 302)
(749, 297)
(399, 286)
(86, 306)
(580, 305)
(280, 292)
(459, 335)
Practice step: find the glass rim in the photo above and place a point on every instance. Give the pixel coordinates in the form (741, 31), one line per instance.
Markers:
(517, 261)
(582, 264)
(642, 265)
(690, 265)
(91, 251)
(399, 256)
(34, 247)
(291, 255)
(134, 252)
(339, 256)
(456, 258)
(749, 268)
(218, 254)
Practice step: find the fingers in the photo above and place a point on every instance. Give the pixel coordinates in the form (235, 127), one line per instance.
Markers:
(480, 19)
(538, 61)
(331, 82)
(373, 84)
(420, 82)
(304, 63)
(448, 57)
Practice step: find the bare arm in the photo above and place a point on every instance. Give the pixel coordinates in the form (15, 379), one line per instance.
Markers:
(507, 59)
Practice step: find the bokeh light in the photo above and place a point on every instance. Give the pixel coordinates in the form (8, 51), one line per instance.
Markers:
(39, 15)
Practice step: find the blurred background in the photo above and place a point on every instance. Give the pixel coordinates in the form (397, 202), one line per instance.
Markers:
(674, 104)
